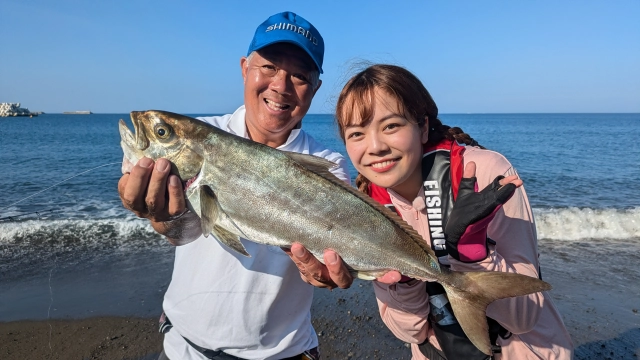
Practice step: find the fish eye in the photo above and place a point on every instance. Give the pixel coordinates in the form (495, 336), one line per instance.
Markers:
(163, 131)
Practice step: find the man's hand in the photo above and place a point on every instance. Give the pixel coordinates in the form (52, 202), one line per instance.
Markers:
(333, 274)
(150, 192)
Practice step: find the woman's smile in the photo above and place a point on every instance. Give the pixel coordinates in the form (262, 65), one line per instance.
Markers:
(383, 166)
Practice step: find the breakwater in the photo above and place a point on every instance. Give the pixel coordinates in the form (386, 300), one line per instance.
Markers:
(14, 109)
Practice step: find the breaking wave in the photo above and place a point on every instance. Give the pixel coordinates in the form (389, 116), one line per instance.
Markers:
(134, 233)
(26, 246)
(584, 223)
(102, 233)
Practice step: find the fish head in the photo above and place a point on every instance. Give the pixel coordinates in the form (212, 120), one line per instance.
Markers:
(161, 134)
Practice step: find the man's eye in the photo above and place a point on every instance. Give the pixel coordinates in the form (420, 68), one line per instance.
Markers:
(269, 69)
(301, 77)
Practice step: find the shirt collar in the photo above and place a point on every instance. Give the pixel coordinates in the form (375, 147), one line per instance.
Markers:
(237, 126)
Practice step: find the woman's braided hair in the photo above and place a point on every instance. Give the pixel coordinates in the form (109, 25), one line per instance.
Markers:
(356, 105)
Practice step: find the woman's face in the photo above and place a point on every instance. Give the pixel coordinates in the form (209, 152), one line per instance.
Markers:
(387, 149)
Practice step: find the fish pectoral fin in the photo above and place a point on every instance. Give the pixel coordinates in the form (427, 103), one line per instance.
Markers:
(318, 165)
(210, 215)
(209, 210)
(230, 239)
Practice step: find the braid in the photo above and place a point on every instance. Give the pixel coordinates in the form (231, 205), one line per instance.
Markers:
(439, 132)
(362, 183)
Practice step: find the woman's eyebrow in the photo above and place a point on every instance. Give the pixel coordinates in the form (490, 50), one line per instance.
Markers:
(390, 116)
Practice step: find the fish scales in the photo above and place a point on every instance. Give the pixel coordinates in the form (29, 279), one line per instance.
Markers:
(312, 210)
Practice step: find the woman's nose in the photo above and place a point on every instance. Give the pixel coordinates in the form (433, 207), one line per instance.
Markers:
(377, 144)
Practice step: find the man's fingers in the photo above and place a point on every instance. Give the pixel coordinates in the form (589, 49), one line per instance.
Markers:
(122, 184)
(157, 190)
(176, 196)
(337, 269)
(311, 269)
(134, 186)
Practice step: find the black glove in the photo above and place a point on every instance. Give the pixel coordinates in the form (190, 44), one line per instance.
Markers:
(466, 229)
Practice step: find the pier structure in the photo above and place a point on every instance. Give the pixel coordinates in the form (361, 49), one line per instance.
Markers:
(78, 112)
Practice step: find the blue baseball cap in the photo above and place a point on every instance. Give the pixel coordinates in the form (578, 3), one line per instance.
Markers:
(290, 28)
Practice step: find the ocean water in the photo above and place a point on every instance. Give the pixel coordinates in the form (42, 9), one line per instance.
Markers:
(581, 172)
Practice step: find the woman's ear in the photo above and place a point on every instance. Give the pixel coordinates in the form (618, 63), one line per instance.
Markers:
(425, 130)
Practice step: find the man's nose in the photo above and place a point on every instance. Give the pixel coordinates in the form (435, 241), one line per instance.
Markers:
(280, 82)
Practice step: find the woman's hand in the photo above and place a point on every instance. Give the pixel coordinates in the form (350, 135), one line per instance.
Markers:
(466, 228)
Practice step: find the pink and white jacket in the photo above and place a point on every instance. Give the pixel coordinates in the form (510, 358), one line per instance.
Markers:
(537, 327)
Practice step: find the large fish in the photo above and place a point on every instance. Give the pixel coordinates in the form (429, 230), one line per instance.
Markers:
(241, 188)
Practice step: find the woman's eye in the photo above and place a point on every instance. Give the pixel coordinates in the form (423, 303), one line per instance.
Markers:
(353, 135)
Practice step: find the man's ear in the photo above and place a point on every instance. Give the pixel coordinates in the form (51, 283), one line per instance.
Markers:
(425, 130)
(244, 65)
(317, 87)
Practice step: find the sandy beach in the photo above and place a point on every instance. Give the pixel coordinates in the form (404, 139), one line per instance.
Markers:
(109, 309)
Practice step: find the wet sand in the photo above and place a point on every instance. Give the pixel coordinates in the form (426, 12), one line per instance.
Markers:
(108, 309)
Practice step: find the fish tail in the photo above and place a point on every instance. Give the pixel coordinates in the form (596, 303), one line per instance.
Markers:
(471, 292)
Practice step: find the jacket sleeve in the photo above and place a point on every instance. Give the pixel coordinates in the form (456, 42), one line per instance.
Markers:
(516, 251)
(404, 308)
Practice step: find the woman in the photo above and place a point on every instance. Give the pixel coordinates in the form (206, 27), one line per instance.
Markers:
(408, 160)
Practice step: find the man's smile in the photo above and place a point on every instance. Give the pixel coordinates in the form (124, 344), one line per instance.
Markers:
(276, 106)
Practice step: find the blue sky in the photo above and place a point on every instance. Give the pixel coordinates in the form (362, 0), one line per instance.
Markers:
(183, 56)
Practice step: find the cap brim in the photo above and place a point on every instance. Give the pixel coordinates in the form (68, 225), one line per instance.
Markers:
(290, 41)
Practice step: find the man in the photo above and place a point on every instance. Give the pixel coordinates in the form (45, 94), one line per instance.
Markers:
(223, 305)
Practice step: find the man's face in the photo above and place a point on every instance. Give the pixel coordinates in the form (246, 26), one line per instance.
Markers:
(278, 90)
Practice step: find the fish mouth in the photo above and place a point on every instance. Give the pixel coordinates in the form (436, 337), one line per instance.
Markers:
(136, 139)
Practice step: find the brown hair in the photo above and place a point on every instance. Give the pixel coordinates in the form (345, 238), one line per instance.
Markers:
(356, 105)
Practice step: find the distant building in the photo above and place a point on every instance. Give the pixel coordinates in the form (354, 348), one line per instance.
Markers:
(80, 112)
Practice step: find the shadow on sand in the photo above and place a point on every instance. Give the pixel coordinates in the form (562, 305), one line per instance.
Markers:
(624, 346)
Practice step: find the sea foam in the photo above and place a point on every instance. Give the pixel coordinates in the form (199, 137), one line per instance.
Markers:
(584, 223)
(131, 232)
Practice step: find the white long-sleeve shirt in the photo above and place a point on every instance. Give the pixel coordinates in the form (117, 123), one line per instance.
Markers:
(254, 307)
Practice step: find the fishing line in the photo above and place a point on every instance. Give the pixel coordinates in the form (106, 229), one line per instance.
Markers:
(38, 213)
(55, 262)
(56, 184)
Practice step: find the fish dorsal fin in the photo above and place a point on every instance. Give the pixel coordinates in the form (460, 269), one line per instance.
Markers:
(210, 212)
(321, 166)
(316, 164)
